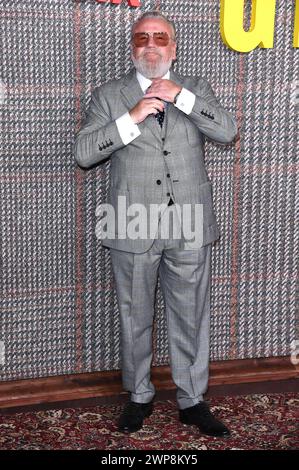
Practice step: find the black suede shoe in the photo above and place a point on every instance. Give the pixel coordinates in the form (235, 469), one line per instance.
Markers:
(133, 415)
(201, 416)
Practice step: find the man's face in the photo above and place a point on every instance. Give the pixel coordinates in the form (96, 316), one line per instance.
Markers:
(153, 61)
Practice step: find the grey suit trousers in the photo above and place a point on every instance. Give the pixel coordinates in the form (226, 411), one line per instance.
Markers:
(185, 283)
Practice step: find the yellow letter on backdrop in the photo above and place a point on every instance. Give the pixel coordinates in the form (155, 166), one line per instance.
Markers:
(261, 32)
(296, 30)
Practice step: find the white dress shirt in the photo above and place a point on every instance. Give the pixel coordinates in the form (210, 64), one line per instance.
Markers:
(128, 130)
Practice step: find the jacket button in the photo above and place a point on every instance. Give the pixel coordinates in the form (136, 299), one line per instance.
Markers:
(168, 175)
(166, 152)
(158, 181)
(168, 194)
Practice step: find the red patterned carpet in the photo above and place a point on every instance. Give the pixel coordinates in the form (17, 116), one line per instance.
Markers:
(264, 422)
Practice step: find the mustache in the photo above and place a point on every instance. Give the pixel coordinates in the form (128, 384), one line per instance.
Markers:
(151, 49)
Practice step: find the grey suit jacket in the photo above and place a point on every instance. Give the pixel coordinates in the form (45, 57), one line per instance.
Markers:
(138, 169)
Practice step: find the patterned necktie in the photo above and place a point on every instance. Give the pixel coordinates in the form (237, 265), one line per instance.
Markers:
(160, 117)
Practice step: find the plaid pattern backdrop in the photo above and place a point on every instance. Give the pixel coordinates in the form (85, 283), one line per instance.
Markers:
(58, 305)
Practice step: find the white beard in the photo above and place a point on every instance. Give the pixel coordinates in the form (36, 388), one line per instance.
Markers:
(151, 70)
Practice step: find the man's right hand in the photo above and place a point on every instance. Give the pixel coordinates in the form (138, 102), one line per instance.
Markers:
(145, 107)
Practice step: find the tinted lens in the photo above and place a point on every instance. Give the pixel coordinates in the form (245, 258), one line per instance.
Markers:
(142, 39)
(161, 39)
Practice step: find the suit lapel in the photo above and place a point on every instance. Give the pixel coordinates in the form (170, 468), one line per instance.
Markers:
(172, 111)
(131, 94)
(131, 91)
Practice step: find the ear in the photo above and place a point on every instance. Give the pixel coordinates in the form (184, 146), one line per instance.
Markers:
(131, 50)
(174, 52)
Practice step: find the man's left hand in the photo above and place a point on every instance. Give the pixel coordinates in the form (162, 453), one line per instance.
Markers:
(164, 89)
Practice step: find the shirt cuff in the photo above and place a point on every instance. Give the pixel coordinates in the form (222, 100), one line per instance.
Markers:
(185, 101)
(127, 129)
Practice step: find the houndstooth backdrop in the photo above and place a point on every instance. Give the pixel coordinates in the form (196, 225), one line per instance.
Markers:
(58, 305)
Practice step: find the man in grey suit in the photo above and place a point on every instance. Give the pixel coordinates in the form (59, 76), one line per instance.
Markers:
(152, 123)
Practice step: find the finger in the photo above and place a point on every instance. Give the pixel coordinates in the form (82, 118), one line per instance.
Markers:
(158, 105)
(154, 94)
(157, 80)
(150, 95)
(154, 101)
(154, 85)
(155, 111)
(155, 108)
(154, 88)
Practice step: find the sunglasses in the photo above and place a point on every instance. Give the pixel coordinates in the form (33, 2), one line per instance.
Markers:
(142, 39)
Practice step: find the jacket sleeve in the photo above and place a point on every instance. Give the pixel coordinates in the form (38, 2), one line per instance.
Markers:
(98, 137)
(210, 117)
